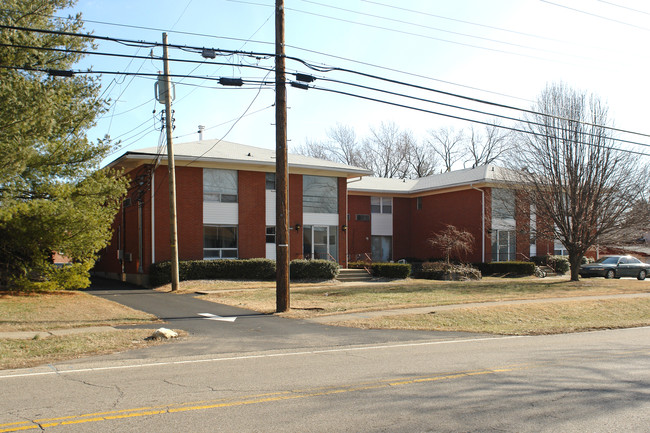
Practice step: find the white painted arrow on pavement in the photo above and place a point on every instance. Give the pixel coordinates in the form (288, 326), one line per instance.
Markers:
(209, 316)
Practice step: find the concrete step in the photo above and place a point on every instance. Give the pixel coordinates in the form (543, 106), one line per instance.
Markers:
(348, 275)
(549, 271)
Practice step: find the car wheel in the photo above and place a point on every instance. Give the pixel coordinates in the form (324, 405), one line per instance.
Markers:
(609, 274)
(641, 275)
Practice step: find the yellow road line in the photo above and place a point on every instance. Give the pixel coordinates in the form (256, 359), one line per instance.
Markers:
(246, 400)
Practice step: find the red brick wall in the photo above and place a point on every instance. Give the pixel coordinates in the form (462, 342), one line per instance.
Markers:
(403, 211)
(189, 210)
(252, 220)
(295, 216)
(358, 231)
(522, 224)
(461, 209)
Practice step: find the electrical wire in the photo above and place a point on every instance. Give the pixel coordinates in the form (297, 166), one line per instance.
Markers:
(596, 15)
(231, 127)
(458, 107)
(624, 7)
(512, 44)
(307, 64)
(510, 128)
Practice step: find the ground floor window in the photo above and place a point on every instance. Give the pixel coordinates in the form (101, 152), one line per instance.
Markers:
(504, 245)
(270, 234)
(382, 248)
(320, 242)
(559, 250)
(219, 242)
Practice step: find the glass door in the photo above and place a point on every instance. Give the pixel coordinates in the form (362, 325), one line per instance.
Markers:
(319, 242)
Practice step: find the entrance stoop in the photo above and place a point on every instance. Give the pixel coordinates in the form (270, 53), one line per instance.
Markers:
(353, 275)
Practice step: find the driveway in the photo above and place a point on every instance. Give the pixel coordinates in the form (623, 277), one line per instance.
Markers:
(217, 329)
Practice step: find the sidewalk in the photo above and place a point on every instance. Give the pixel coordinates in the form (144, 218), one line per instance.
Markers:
(426, 310)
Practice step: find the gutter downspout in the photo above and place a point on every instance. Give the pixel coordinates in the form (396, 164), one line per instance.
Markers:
(482, 221)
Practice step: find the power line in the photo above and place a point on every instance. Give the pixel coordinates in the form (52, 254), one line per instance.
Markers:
(464, 21)
(513, 44)
(305, 49)
(623, 7)
(510, 128)
(597, 16)
(458, 107)
(399, 31)
(267, 55)
(468, 98)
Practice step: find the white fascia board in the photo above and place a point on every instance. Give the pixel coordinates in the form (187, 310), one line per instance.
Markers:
(293, 168)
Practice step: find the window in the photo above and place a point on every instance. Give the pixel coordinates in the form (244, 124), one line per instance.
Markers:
(362, 217)
(381, 205)
(220, 185)
(219, 242)
(503, 203)
(270, 181)
(270, 234)
(418, 203)
(504, 245)
(320, 194)
(382, 247)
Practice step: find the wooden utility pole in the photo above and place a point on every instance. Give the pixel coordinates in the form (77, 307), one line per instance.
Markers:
(171, 166)
(281, 168)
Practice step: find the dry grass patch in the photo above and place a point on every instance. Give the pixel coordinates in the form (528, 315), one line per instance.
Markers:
(531, 319)
(309, 300)
(30, 353)
(61, 310)
(65, 310)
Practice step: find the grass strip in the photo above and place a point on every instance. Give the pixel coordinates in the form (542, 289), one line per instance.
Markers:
(531, 319)
(29, 353)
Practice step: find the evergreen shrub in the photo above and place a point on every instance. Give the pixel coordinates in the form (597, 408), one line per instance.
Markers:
(391, 270)
(313, 269)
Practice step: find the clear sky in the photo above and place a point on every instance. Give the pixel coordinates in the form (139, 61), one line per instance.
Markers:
(503, 51)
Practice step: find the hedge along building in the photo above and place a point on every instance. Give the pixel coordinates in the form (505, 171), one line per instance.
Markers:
(391, 219)
(226, 207)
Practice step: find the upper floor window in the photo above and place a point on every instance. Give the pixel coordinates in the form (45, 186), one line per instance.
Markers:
(270, 181)
(418, 203)
(503, 203)
(220, 185)
(381, 205)
(320, 194)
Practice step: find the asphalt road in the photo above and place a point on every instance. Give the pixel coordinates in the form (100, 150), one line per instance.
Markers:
(316, 378)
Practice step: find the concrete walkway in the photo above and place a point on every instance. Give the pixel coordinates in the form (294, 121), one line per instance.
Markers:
(31, 335)
(426, 310)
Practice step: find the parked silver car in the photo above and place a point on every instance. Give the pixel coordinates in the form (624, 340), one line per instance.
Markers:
(616, 267)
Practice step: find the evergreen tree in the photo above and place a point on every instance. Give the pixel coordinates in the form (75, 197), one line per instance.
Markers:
(53, 195)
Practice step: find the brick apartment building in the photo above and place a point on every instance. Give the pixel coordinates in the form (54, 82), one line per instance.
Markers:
(226, 201)
(226, 209)
(391, 219)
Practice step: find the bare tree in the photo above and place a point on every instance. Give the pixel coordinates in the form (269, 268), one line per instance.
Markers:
(452, 241)
(447, 144)
(342, 146)
(487, 146)
(422, 160)
(386, 151)
(574, 174)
